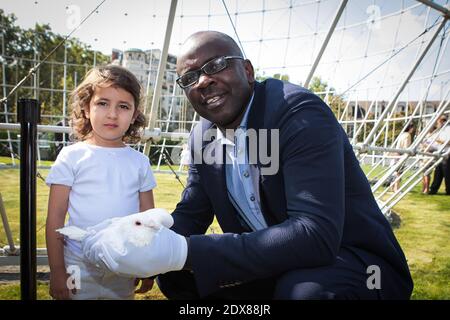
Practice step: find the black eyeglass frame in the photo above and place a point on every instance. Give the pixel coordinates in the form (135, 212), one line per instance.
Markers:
(201, 70)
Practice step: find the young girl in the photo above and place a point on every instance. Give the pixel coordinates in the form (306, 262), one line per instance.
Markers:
(97, 178)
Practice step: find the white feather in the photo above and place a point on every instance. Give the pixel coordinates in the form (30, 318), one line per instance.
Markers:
(73, 233)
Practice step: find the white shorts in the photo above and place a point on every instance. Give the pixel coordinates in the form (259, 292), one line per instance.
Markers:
(95, 283)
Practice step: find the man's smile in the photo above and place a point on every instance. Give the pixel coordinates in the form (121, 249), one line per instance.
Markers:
(214, 101)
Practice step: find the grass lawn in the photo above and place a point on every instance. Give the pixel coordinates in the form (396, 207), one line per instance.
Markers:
(424, 233)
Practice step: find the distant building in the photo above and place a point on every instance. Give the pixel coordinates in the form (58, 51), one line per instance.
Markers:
(135, 61)
(144, 65)
(116, 56)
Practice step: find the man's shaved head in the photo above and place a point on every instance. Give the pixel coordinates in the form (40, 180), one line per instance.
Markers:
(205, 38)
(221, 96)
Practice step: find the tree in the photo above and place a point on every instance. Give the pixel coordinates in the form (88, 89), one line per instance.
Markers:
(283, 77)
(321, 88)
(261, 76)
(21, 49)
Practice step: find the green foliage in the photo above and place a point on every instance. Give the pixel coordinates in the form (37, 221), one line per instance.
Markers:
(283, 77)
(22, 46)
(320, 87)
(261, 76)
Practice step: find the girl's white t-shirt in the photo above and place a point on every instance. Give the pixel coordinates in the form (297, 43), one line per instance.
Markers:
(105, 183)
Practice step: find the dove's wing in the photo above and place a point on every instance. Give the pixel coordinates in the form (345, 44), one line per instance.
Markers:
(102, 225)
(73, 233)
(79, 234)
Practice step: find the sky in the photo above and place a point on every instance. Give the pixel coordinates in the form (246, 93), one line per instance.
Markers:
(278, 36)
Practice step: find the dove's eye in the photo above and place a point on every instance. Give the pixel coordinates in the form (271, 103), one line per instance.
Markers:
(138, 223)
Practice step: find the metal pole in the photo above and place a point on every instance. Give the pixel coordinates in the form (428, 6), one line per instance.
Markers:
(8, 233)
(161, 70)
(325, 42)
(167, 126)
(413, 146)
(392, 104)
(5, 104)
(149, 79)
(51, 86)
(65, 90)
(28, 116)
(437, 7)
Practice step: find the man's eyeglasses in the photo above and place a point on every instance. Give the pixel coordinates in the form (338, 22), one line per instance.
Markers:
(211, 67)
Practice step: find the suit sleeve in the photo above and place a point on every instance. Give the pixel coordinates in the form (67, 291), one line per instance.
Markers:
(312, 164)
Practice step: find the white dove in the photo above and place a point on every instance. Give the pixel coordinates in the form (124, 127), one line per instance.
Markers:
(139, 245)
(137, 229)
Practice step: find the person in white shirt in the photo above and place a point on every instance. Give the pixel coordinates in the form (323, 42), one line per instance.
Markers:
(403, 142)
(442, 170)
(98, 178)
(185, 157)
(427, 147)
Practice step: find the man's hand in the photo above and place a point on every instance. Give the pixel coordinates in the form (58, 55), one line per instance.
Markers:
(166, 252)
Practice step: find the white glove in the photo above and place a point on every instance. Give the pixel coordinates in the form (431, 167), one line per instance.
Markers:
(166, 252)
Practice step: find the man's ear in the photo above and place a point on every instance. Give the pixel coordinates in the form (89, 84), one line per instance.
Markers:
(249, 71)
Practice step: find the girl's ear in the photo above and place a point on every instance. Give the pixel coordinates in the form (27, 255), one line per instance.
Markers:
(86, 113)
(135, 115)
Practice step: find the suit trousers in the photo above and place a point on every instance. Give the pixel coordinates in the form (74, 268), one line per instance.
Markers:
(442, 171)
(346, 278)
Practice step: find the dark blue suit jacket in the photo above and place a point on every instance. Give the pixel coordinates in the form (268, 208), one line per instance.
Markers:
(317, 203)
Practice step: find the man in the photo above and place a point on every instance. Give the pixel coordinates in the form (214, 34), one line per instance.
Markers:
(442, 170)
(321, 227)
(303, 225)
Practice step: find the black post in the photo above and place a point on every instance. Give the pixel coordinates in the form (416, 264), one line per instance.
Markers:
(28, 114)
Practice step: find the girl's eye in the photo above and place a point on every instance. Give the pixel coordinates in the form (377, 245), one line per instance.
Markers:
(124, 106)
(102, 103)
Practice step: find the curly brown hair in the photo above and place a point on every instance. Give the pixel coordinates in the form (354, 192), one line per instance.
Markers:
(105, 76)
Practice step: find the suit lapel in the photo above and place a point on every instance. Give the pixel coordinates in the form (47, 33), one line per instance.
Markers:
(216, 174)
(265, 185)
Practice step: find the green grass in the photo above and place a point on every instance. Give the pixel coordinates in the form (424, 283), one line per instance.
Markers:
(424, 233)
(424, 236)
(8, 161)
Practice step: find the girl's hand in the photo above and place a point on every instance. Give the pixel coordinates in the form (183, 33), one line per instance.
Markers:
(58, 286)
(146, 285)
